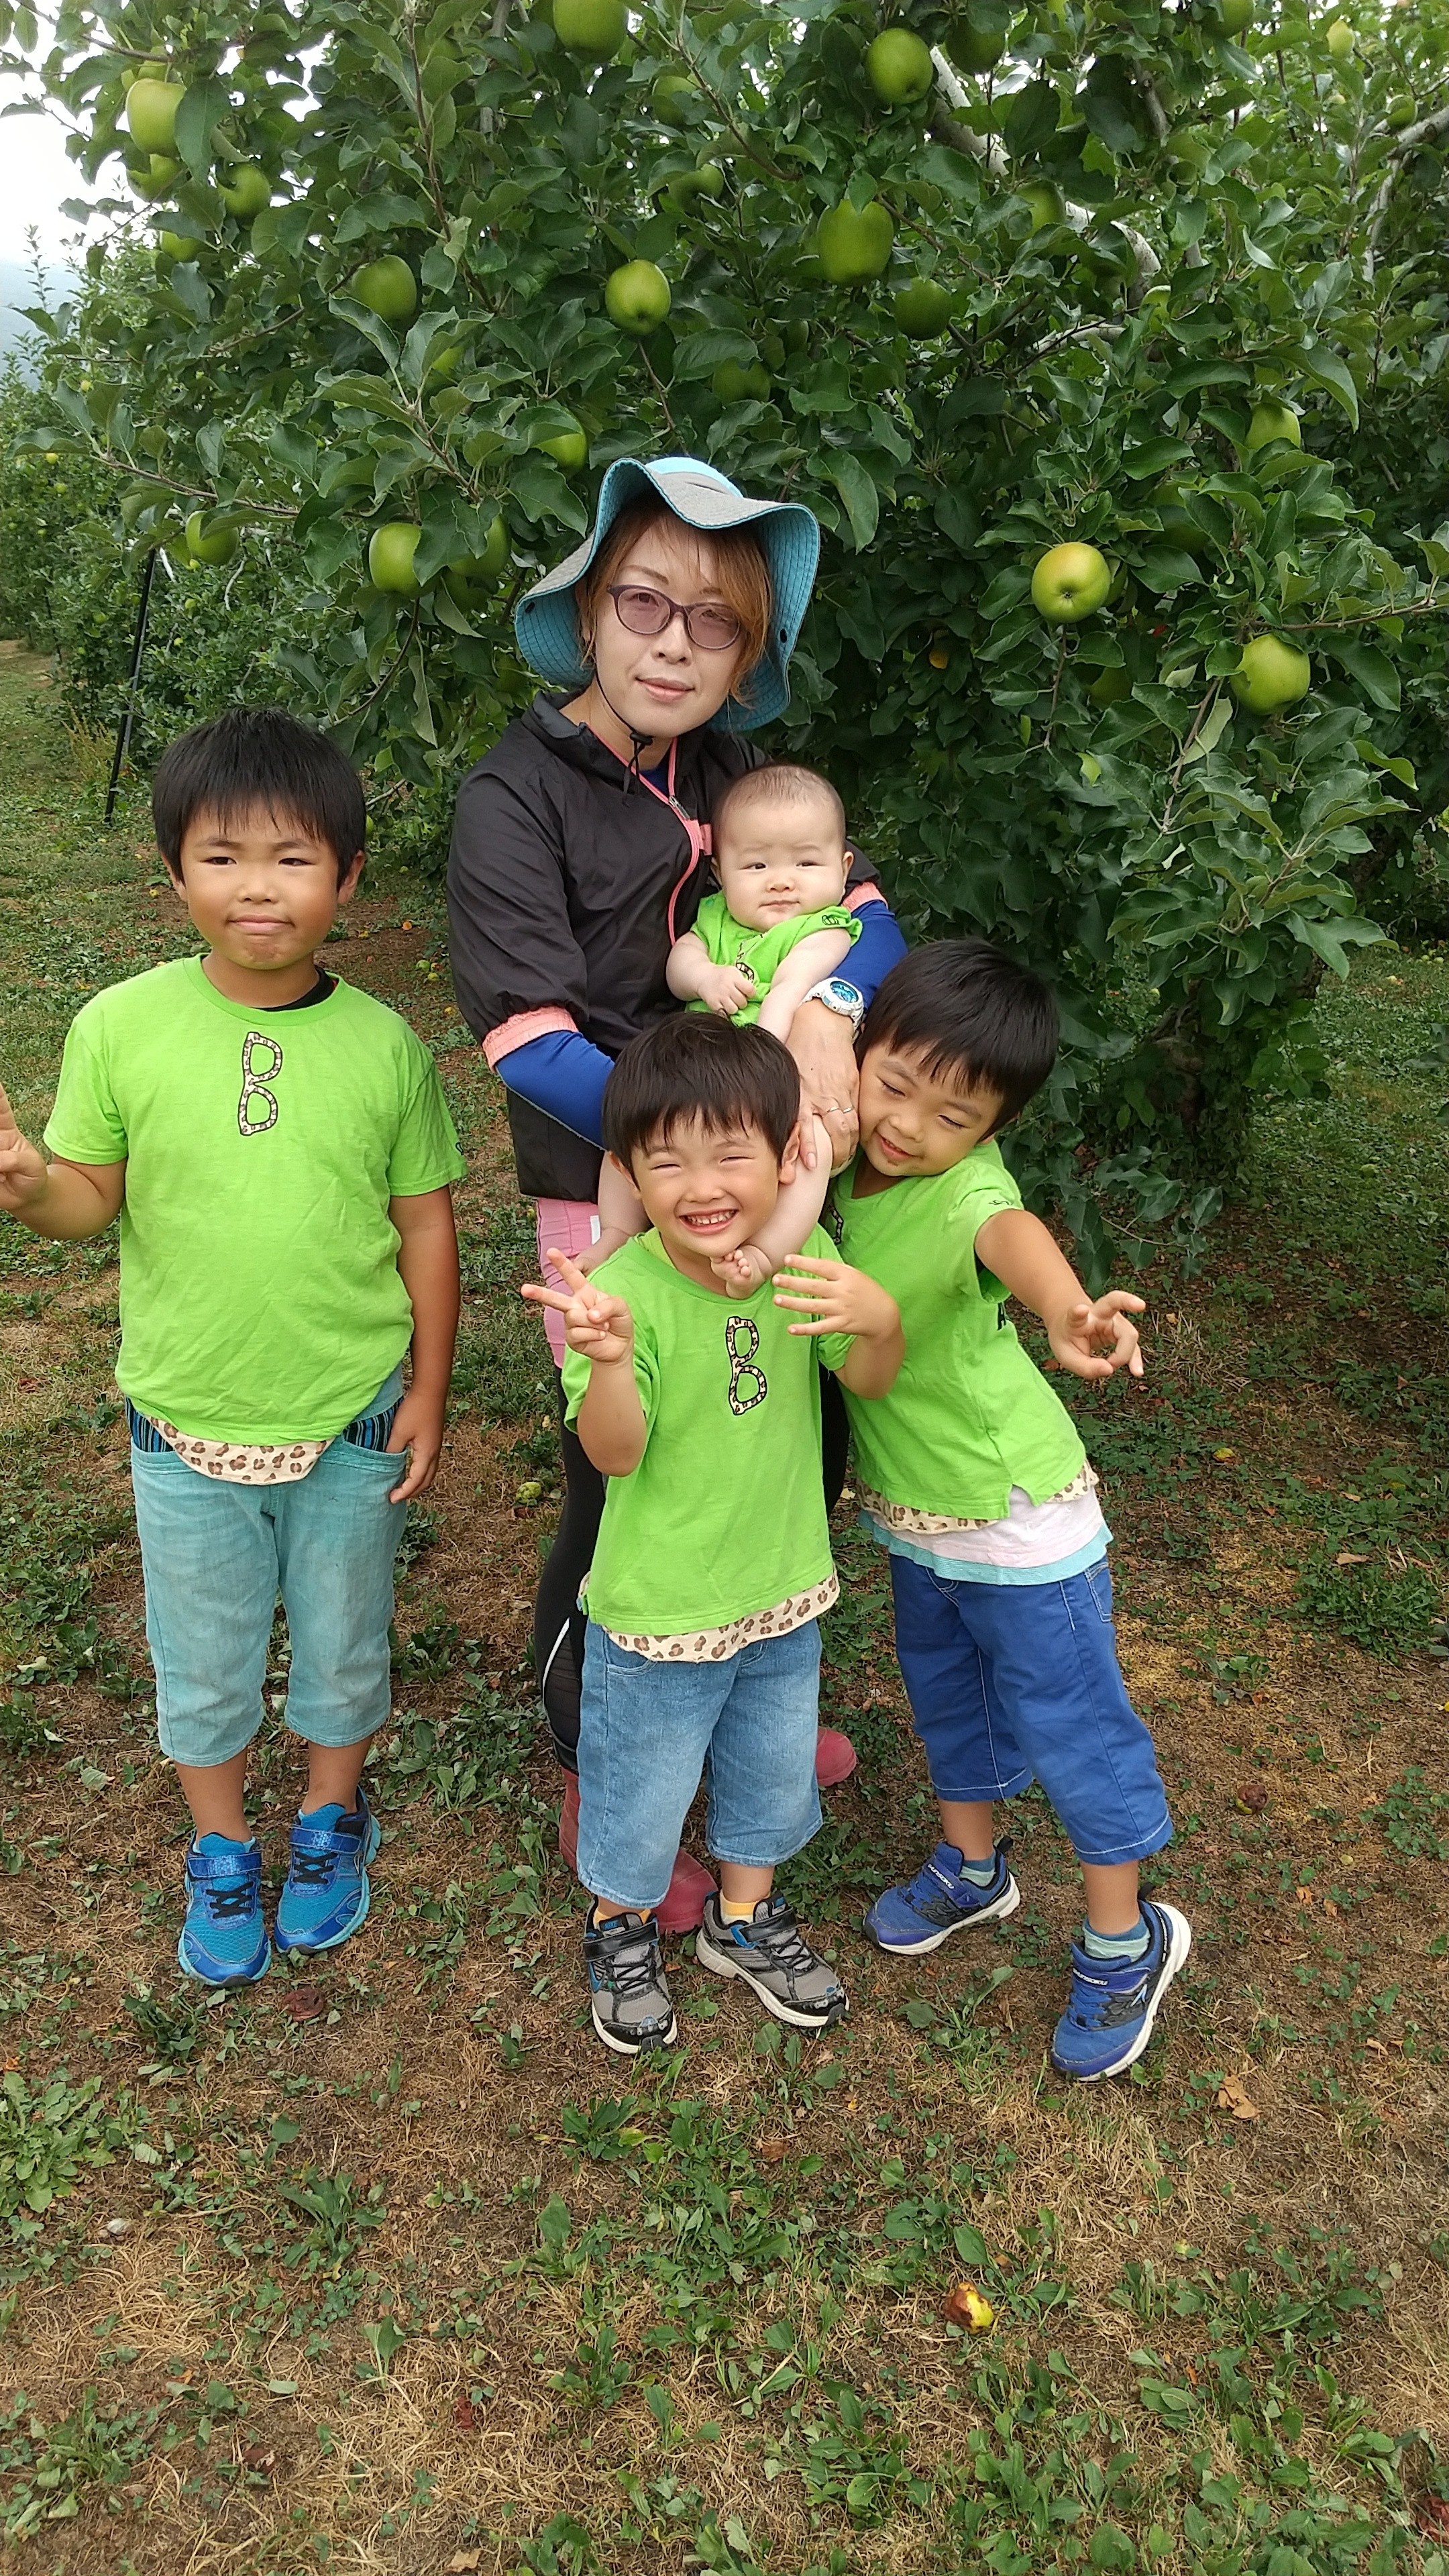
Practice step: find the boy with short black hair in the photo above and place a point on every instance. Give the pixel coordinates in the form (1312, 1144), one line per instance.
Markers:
(276, 1145)
(972, 1474)
(700, 1402)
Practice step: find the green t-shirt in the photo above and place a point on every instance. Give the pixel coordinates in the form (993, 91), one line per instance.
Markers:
(760, 953)
(260, 1293)
(970, 1415)
(725, 1512)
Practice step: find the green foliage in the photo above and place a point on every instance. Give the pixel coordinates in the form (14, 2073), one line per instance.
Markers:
(48, 2139)
(49, 2472)
(1149, 233)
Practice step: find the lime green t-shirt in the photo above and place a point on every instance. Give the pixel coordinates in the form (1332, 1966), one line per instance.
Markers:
(260, 1293)
(970, 1415)
(760, 953)
(725, 1512)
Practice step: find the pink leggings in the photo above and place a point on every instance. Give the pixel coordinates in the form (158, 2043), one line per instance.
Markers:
(564, 1225)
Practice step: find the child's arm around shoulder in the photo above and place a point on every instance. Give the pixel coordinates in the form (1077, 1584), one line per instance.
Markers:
(788, 1227)
(600, 1328)
(64, 1200)
(1017, 1247)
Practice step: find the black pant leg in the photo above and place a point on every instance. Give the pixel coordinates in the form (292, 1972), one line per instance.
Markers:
(834, 1437)
(558, 1622)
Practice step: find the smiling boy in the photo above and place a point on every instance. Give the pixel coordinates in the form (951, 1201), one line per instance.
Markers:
(701, 1405)
(277, 1148)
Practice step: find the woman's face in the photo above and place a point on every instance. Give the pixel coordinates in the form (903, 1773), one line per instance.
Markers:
(663, 685)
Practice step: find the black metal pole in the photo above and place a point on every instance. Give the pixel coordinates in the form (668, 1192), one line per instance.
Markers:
(123, 735)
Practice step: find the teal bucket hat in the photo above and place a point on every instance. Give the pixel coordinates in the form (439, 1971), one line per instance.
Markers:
(546, 619)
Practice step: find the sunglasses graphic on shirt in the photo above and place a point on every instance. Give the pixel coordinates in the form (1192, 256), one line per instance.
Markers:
(748, 1383)
(256, 1110)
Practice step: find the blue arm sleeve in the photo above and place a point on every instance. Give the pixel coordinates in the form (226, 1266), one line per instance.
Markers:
(564, 1075)
(879, 948)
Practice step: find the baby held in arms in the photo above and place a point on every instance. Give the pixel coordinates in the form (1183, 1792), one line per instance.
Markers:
(777, 928)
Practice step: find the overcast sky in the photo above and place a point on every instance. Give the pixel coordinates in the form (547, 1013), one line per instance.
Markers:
(34, 176)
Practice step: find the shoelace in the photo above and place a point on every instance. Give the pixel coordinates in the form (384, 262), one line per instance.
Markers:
(631, 1967)
(312, 1869)
(781, 1939)
(225, 1901)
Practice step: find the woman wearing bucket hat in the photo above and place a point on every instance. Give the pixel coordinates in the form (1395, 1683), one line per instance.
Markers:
(581, 851)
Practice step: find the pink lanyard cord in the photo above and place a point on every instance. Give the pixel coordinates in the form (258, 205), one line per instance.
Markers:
(697, 834)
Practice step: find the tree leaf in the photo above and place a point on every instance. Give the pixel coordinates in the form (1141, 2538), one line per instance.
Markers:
(858, 492)
(1325, 367)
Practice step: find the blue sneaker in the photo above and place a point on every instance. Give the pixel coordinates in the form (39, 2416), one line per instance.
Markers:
(1109, 2016)
(223, 1939)
(939, 1901)
(326, 1897)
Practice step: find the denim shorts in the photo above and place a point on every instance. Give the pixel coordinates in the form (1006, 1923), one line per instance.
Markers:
(215, 1557)
(1010, 1683)
(649, 1732)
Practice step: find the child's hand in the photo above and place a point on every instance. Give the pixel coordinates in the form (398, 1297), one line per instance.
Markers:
(747, 1268)
(726, 989)
(836, 1298)
(23, 1170)
(419, 1427)
(598, 1326)
(1078, 1333)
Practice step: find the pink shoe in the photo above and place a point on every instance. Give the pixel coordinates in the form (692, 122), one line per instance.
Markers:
(835, 1757)
(568, 1822)
(689, 1885)
(684, 1900)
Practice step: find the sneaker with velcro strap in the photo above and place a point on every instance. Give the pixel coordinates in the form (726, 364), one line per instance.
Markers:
(769, 1951)
(224, 1938)
(629, 1995)
(327, 1892)
(939, 1901)
(1113, 2005)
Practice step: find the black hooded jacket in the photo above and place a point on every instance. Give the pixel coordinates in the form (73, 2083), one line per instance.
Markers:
(560, 883)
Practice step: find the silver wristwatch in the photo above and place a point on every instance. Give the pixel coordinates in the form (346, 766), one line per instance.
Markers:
(837, 995)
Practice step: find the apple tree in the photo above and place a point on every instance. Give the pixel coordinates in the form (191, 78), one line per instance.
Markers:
(1074, 321)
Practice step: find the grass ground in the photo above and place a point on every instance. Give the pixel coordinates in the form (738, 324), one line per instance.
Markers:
(384, 2266)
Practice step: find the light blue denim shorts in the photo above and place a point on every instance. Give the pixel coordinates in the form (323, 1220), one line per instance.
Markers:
(649, 1731)
(215, 1558)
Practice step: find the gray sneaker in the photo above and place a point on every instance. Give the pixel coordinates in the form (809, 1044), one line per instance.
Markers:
(628, 1992)
(774, 1959)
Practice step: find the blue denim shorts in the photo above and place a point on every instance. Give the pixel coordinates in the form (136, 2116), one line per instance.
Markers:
(215, 1557)
(1010, 1683)
(649, 1731)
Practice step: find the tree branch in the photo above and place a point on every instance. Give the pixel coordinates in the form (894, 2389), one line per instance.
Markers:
(1409, 141)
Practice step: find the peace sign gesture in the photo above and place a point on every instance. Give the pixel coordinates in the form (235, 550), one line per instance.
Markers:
(598, 1326)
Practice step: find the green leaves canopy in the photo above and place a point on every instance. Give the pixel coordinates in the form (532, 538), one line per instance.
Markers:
(1242, 221)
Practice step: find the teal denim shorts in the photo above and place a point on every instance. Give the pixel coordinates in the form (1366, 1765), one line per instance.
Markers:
(215, 1558)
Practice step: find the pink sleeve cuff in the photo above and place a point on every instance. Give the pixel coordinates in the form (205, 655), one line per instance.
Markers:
(855, 898)
(522, 1029)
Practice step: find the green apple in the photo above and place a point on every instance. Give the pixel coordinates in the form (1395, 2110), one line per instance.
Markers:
(854, 245)
(672, 98)
(1110, 686)
(1401, 112)
(388, 288)
(923, 309)
(218, 548)
(1044, 204)
(246, 192)
(390, 556)
(976, 49)
(732, 383)
(593, 28)
(636, 297)
(1070, 583)
(1272, 420)
(797, 337)
(900, 68)
(158, 177)
(1236, 16)
(1271, 676)
(151, 107)
(568, 448)
(1340, 40)
(680, 192)
(170, 245)
(470, 584)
